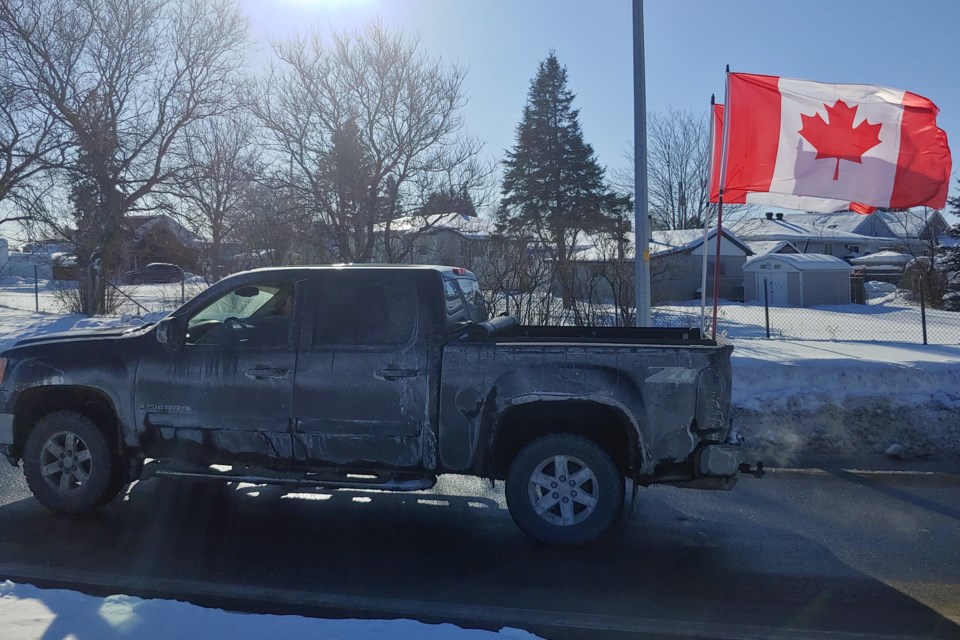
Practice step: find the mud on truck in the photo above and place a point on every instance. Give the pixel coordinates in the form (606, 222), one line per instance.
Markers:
(381, 377)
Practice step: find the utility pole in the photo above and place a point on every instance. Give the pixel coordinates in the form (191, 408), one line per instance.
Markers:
(641, 226)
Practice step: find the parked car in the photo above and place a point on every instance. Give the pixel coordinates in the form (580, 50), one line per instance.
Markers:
(380, 377)
(153, 273)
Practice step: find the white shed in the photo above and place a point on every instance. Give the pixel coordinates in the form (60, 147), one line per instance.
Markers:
(797, 279)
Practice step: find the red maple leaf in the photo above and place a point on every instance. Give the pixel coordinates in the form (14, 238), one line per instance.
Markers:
(839, 138)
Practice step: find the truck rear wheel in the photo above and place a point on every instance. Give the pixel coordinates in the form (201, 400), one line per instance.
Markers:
(564, 489)
(68, 463)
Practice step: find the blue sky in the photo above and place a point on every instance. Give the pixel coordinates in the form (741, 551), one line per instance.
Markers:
(911, 45)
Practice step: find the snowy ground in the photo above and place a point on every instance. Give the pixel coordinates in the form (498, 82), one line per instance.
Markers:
(29, 613)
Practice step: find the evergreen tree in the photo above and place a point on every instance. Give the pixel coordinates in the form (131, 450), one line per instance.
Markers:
(951, 260)
(553, 187)
(449, 201)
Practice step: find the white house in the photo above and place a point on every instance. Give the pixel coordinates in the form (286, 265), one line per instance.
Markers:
(831, 240)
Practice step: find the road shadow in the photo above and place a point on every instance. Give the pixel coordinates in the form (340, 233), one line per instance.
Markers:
(462, 550)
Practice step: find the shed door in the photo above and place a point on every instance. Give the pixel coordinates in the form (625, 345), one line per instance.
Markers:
(776, 287)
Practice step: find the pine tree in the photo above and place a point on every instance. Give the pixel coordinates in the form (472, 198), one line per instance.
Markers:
(951, 260)
(553, 187)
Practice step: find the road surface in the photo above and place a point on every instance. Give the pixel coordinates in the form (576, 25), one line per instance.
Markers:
(817, 554)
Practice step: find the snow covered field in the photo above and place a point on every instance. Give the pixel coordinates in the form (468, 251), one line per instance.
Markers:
(29, 613)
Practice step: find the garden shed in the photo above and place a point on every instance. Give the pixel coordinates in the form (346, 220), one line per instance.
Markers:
(797, 279)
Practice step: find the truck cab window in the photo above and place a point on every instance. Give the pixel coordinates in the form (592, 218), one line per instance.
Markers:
(365, 310)
(251, 315)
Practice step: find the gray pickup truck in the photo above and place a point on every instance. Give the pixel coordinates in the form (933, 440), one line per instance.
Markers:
(371, 376)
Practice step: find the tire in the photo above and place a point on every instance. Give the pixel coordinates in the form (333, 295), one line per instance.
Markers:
(574, 513)
(138, 280)
(92, 470)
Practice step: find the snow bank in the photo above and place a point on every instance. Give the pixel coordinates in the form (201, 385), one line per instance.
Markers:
(804, 398)
(29, 613)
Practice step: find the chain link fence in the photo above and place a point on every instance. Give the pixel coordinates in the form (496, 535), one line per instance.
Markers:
(63, 296)
(885, 311)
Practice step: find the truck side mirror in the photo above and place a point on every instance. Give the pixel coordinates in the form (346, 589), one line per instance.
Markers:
(168, 334)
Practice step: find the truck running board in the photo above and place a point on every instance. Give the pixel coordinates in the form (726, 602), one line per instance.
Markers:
(331, 479)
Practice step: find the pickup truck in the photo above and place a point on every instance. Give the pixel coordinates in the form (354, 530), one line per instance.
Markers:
(372, 376)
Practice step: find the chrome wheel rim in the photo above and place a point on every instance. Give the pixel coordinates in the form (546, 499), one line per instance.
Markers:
(65, 461)
(563, 490)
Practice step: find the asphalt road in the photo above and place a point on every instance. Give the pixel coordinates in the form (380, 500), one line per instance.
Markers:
(795, 555)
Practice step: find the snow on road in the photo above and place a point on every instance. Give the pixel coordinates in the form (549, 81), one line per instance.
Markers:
(28, 613)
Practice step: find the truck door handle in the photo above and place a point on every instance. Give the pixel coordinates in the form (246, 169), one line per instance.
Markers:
(264, 371)
(396, 374)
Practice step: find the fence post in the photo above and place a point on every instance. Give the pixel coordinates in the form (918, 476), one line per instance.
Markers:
(923, 308)
(36, 287)
(182, 287)
(766, 306)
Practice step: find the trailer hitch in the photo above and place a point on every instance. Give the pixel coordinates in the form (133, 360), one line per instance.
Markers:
(756, 472)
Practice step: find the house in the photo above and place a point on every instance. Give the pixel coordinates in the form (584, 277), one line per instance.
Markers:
(157, 238)
(448, 238)
(797, 280)
(910, 231)
(676, 263)
(807, 237)
(919, 231)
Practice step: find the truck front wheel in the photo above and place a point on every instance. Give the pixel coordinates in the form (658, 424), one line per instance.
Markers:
(68, 463)
(564, 489)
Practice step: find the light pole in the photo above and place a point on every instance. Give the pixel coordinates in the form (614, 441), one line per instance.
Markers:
(641, 224)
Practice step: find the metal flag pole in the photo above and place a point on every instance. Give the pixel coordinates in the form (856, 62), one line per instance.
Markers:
(716, 266)
(706, 231)
(723, 180)
(641, 221)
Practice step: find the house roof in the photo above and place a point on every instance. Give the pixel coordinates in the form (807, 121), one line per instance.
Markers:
(842, 222)
(763, 247)
(764, 229)
(600, 247)
(909, 224)
(802, 261)
(140, 224)
(883, 257)
(472, 227)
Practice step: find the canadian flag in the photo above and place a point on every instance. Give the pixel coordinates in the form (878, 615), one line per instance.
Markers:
(823, 147)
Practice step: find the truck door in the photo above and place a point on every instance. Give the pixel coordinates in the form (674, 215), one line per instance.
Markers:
(361, 381)
(226, 394)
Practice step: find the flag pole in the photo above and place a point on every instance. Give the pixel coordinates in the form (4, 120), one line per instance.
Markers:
(706, 232)
(716, 266)
(723, 181)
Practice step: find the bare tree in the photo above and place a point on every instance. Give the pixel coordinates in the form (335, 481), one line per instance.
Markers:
(29, 142)
(221, 160)
(125, 80)
(678, 171)
(272, 226)
(919, 231)
(371, 127)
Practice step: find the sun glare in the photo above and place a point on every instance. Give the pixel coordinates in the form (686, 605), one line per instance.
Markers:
(330, 4)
